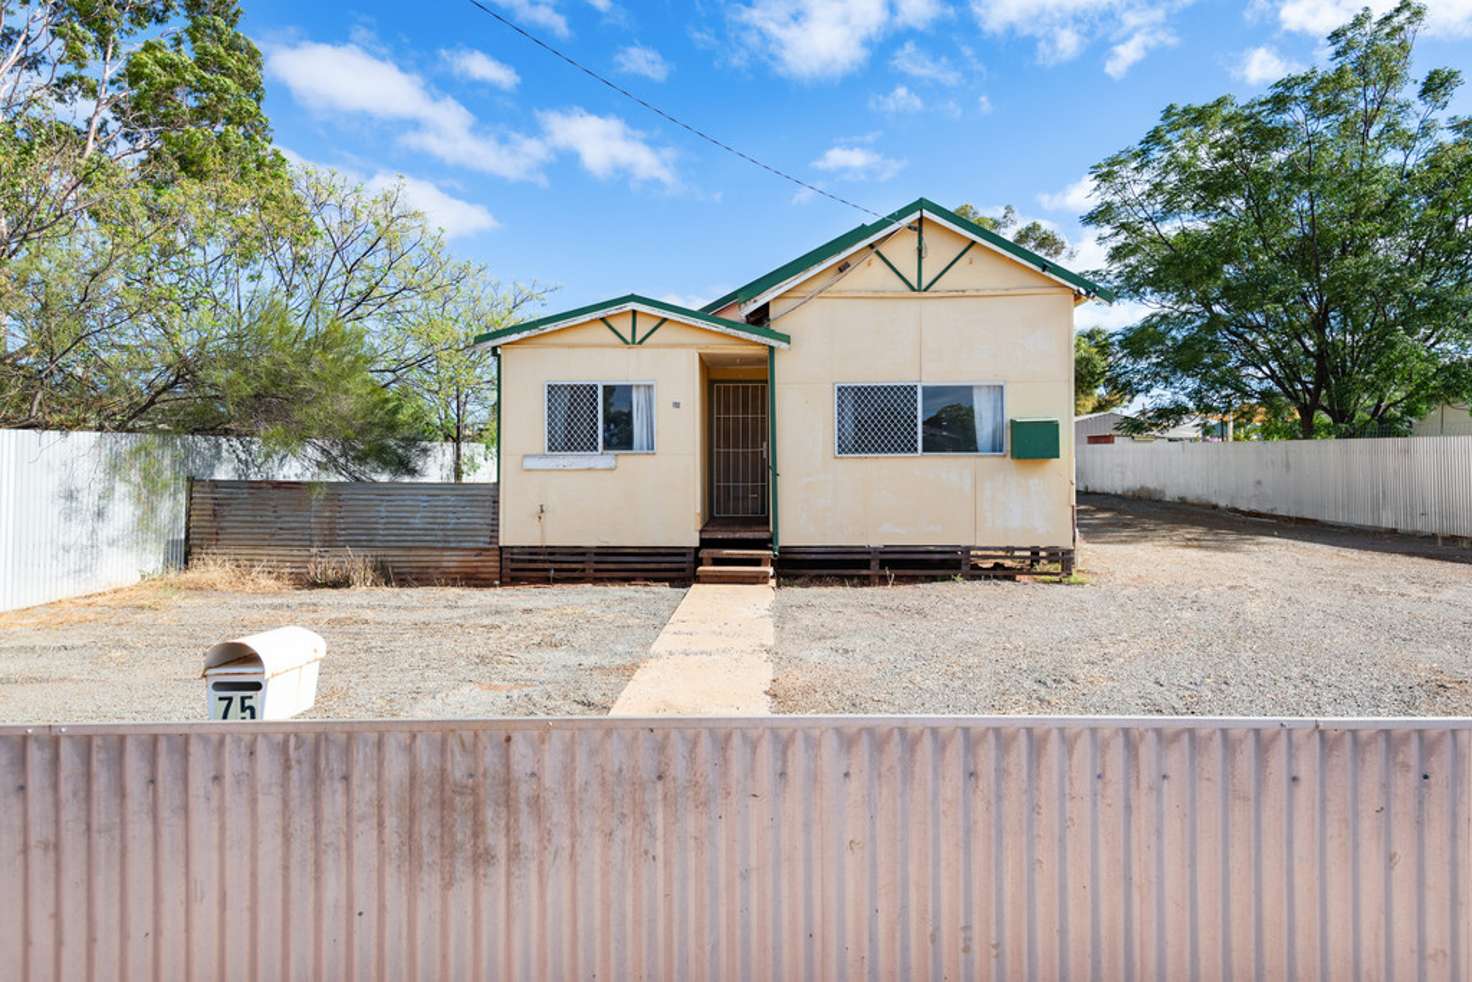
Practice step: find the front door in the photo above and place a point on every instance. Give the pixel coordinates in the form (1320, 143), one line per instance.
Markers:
(739, 450)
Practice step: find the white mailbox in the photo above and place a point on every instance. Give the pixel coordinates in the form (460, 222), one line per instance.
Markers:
(271, 675)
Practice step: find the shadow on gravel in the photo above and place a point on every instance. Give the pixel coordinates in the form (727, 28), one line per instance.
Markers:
(1108, 518)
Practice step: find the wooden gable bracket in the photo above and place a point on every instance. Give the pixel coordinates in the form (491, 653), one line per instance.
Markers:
(920, 286)
(947, 268)
(608, 324)
(633, 337)
(894, 269)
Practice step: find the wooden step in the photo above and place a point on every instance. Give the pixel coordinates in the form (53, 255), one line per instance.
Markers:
(733, 574)
(759, 556)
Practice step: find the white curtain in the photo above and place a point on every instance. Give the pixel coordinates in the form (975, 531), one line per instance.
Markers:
(643, 417)
(986, 406)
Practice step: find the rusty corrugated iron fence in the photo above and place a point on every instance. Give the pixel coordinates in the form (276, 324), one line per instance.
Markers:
(774, 848)
(83, 512)
(412, 533)
(1410, 484)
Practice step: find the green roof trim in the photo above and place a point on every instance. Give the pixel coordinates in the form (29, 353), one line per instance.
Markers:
(920, 206)
(633, 301)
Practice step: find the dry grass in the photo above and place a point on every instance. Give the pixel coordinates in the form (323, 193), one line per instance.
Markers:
(347, 570)
(206, 575)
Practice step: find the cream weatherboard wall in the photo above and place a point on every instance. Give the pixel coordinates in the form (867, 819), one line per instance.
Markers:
(989, 319)
(651, 499)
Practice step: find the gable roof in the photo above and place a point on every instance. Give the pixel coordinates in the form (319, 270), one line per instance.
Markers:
(633, 301)
(855, 238)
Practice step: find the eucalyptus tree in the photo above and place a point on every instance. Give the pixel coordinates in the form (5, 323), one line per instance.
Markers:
(1311, 247)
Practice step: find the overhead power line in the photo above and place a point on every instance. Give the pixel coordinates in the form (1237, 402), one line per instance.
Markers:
(667, 116)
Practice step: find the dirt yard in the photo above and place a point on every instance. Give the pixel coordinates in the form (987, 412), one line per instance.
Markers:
(135, 654)
(1181, 611)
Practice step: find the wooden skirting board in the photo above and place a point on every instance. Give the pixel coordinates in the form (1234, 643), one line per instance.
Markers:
(883, 563)
(877, 564)
(581, 564)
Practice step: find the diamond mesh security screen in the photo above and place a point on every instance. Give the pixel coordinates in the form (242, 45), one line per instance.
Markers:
(572, 419)
(876, 419)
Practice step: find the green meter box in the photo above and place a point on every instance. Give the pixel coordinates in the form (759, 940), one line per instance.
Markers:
(1034, 439)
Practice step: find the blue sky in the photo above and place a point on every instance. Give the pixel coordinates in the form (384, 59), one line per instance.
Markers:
(542, 174)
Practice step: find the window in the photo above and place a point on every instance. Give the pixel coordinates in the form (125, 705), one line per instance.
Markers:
(600, 417)
(905, 419)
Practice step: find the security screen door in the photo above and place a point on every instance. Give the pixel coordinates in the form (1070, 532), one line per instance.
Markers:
(739, 450)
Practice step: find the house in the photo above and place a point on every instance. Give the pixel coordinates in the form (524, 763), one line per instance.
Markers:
(888, 403)
(1107, 427)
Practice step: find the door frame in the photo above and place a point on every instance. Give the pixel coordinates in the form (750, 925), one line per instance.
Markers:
(710, 476)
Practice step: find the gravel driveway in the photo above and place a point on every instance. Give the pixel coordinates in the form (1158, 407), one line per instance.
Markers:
(1185, 611)
(135, 654)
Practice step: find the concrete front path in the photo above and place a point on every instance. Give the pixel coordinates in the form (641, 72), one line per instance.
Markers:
(713, 658)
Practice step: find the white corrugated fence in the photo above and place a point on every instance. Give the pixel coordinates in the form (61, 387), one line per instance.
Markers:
(1410, 484)
(82, 512)
(773, 848)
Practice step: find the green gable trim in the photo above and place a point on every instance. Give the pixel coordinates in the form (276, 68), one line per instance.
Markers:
(633, 301)
(918, 207)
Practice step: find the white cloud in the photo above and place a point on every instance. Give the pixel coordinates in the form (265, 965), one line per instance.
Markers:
(898, 100)
(1110, 316)
(919, 13)
(606, 145)
(640, 60)
(694, 300)
(481, 67)
(916, 63)
(813, 39)
(602, 6)
(1061, 29)
(1074, 198)
(1444, 18)
(336, 79)
(1263, 66)
(538, 14)
(1127, 53)
(858, 164)
(984, 105)
(1089, 252)
(332, 79)
(455, 215)
(345, 78)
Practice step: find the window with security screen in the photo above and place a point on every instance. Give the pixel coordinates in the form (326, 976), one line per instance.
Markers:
(906, 418)
(876, 419)
(572, 418)
(600, 417)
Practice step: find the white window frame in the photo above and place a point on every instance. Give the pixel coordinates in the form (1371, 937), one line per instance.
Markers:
(546, 441)
(920, 420)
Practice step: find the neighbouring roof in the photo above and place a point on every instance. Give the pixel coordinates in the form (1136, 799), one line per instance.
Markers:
(857, 237)
(633, 301)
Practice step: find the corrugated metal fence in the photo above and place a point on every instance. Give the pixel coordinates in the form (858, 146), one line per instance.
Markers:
(1411, 484)
(83, 512)
(411, 533)
(761, 848)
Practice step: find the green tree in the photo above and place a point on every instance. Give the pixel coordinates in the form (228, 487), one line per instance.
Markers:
(1096, 384)
(1034, 235)
(453, 380)
(105, 94)
(1310, 247)
(308, 391)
